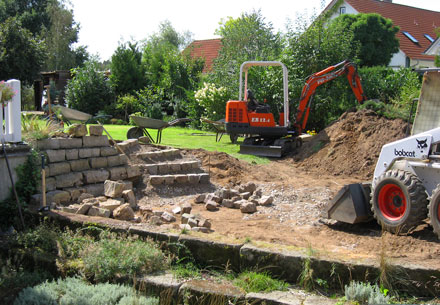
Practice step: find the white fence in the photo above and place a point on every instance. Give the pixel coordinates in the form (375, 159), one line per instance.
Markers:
(10, 116)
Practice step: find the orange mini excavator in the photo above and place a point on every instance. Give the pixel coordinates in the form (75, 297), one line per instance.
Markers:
(264, 135)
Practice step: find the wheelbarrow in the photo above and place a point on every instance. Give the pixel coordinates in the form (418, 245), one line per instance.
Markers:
(219, 127)
(143, 124)
(68, 114)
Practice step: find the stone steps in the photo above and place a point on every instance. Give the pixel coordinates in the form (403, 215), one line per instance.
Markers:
(192, 179)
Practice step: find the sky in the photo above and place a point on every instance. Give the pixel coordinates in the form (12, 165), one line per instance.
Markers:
(106, 23)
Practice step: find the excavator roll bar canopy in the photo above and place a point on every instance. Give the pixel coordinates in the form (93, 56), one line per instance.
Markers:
(245, 68)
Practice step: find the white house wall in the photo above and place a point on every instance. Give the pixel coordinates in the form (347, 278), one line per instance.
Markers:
(348, 10)
(398, 60)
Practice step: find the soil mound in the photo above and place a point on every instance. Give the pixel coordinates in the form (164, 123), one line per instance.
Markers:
(351, 145)
(222, 168)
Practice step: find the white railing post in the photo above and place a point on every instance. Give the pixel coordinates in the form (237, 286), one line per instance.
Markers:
(14, 111)
(2, 134)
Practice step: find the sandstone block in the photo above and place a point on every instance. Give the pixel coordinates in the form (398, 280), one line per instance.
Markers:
(185, 226)
(133, 171)
(95, 141)
(186, 208)
(113, 189)
(70, 143)
(89, 152)
(118, 173)
(58, 196)
(95, 189)
(98, 162)
(211, 205)
(167, 217)
(74, 192)
(123, 159)
(265, 200)
(224, 193)
(155, 220)
(69, 180)
(77, 130)
(72, 154)
(144, 140)
(195, 164)
(163, 168)
(205, 223)
(185, 217)
(213, 197)
(109, 151)
(70, 209)
(228, 203)
(200, 198)
(124, 212)
(151, 168)
(175, 167)
(193, 178)
(95, 211)
(111, 204)
(156, 180)
(185, 165)
(248, 187)
(94, 176)
(192, 222)
(177, 210)
(84, 196)
(200, 229)
(48, 144)
(128, 185)
(59, 168)
(168, 179)
(182, 179)
(79, 165)
(248, 207)
(129, 198)
(204, 178)
(245, 195)
(56, 155)
(93, 201)
(51, 184)
(84, 208)
(96, 130)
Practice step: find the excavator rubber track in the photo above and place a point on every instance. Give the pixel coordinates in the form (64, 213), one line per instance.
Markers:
(268, 148)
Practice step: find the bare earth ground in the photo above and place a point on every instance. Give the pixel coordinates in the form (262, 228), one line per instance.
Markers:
(302, 185)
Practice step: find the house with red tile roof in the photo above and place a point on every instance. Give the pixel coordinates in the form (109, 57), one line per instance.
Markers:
(417, 35)
(206, 49)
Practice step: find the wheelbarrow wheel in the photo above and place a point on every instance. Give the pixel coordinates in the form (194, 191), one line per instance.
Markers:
(135, 133)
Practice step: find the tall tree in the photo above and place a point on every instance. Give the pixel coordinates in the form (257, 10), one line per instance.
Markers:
(21, 55)
(128, 72)
(375, 34)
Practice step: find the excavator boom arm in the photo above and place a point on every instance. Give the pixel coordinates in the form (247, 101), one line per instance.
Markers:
(317, 79)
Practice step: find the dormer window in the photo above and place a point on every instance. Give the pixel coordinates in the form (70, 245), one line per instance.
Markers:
(410, 37)
(429, 37)
(342, 10)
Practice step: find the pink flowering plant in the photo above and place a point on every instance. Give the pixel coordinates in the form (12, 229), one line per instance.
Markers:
(6, 93)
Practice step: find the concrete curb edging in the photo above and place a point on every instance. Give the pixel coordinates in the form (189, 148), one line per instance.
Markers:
(282, 264)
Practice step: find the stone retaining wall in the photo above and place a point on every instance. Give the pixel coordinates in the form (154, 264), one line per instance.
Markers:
(81, 165)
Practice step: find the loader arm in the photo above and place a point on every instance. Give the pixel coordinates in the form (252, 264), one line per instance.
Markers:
(317, 79)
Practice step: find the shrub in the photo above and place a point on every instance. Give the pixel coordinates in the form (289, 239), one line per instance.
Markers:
(108, 256)
(213, 100)
(259, 282)
(35, 129)
(76, 291)
(365, 293)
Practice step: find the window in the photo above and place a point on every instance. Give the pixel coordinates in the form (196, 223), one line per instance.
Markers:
(342, 10)
(429, 38)
(410, 37)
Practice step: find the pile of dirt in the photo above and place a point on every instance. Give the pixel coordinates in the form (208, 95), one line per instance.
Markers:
(351, 145)
(223, 168)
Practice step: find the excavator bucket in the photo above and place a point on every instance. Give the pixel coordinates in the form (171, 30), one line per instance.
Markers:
(262, 151)
(351, 204)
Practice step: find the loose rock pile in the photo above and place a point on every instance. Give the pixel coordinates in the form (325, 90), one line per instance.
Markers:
(118, 202)
(246, 198)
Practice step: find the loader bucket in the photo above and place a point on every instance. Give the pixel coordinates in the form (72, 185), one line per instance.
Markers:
(351, 204)
(262, 151)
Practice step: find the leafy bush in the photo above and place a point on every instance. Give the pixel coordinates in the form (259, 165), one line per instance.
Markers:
(213, 100)
(259, 282)
(76, 291)
(89, 91)
(365, 293)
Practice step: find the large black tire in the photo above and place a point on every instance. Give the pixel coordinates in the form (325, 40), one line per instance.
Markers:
(399, 201)
(434, 210)
(135, 133)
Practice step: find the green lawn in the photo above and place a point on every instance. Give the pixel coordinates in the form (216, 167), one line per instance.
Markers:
(179, 137)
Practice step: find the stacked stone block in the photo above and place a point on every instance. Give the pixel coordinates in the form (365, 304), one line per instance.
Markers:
(81, 165)
(166, 167)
